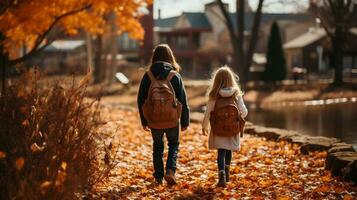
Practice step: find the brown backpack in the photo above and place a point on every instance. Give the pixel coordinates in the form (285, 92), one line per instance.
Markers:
(226, 119)
(161, 108)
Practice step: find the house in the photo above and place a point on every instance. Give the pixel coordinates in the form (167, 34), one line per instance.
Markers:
(62, 56)
(312, 52)
(201, 42)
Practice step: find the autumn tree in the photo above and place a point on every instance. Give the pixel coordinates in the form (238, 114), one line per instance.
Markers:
(33, 24)
(337, 18)
(275, 69)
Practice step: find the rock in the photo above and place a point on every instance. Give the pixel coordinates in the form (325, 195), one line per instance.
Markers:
(268, 133)
(349, 173)
(248, 124)
(293, 137)
(338, 147)
(339, 160)
(196, 117)
(318, 143)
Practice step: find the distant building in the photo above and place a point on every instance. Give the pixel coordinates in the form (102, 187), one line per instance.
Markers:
(62, 56)
(312, 52)
(201, 40)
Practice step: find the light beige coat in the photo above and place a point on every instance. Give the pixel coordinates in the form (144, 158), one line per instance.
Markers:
(217, 142)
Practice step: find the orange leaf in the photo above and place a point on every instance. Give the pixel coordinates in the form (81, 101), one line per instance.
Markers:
(25, 122)
(2, 154)
(347, 197)
(19, 164)
(323, 188)
(283, 198)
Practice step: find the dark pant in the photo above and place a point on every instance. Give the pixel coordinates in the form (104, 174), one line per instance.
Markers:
(224, 157)
(172, 135)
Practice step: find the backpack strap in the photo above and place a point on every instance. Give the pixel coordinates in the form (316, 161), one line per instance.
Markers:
(168, 79)
(151, 76)
(170, 76)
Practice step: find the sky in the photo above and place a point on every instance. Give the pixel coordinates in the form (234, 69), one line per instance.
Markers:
(171, 8)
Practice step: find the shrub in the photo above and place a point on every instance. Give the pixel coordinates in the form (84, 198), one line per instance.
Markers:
(275, 68)
(48, 142)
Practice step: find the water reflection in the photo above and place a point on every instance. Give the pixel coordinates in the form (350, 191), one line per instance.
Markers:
(332, 120)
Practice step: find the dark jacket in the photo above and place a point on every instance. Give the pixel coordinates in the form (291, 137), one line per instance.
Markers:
(162, 70)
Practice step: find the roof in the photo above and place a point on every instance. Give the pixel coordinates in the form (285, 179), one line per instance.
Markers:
(64, 45)
(305, 39)
(166, 22)
(197, 19)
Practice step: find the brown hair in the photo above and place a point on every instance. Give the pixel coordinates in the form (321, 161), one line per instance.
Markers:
(223, 77)
(163, 53)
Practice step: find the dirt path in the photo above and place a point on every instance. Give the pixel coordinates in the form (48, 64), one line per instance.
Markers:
(261, 170)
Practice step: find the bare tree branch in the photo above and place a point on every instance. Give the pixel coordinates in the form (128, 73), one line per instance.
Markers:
(228, 20)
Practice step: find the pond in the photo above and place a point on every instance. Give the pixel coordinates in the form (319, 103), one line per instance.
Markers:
(329, 118)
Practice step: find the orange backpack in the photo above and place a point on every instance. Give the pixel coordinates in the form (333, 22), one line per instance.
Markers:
(161, 109)
(226, 119)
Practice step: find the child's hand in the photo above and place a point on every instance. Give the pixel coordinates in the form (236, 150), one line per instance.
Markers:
(204, 131)
(184, 128)
(146, 128)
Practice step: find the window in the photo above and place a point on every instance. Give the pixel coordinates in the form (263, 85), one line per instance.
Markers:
(182, 42)
(297, 60)
(347, 62)
(196, 40)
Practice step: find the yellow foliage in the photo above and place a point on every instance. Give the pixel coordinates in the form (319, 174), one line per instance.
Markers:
(24, 22)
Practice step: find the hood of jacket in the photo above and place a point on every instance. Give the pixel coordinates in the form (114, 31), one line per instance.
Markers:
(227, 92)
(161, 69)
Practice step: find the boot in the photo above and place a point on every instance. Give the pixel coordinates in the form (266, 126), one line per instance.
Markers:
(170, 177)
(158, 181)
(221, 179)
(226, 170)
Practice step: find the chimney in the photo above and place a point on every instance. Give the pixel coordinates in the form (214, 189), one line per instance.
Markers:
(159, 13)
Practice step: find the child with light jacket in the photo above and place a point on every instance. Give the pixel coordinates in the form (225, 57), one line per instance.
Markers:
(224, 85)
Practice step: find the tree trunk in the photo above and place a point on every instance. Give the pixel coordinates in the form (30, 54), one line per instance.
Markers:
(98, 59)
(253, 38)
(112, 66)
(337, 43)
(239, 55)
(89, 53)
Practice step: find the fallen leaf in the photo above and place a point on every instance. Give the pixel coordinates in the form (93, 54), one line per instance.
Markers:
(2, 155)
(19, 163)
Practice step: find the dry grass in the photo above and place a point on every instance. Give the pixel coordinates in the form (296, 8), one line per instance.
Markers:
(49, 142)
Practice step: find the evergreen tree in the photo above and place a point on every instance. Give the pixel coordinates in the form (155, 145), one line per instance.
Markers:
(275, 68)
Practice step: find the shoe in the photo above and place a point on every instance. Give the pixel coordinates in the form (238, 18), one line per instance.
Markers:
(226, 170)
(170, 177)
(221, 179)
(158, 180)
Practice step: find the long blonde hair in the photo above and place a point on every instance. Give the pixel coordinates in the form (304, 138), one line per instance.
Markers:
(223, 77)
(163, 53)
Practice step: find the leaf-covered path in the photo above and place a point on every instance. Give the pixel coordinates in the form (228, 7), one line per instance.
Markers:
(261, 170)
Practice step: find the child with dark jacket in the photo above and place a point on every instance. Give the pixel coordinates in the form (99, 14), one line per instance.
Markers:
(164, 67)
